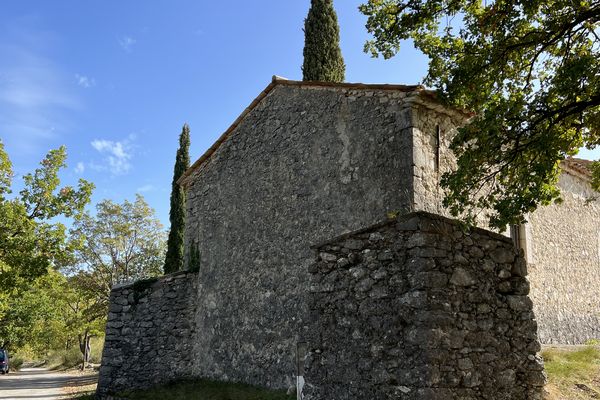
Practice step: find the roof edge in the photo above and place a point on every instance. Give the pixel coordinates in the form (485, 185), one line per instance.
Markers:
(182, 181)
(577, 167)
(280, 81)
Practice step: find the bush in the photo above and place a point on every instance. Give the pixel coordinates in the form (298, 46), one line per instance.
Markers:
(97, 345)
(72, 357)
(64, 358)
(16, 362)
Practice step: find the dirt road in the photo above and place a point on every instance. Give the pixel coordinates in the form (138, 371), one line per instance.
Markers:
(39, 384)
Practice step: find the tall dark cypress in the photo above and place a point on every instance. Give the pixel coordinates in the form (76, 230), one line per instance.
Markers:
(323, 59)
(174, 258)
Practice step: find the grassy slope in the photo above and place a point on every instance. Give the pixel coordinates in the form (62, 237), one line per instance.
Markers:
(208, 390)
(573, 374)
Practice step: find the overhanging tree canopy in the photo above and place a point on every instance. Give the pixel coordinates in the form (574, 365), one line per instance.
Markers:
(529, 70)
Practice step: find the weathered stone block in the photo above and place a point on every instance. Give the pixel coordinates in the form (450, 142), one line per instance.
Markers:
(444, 333)
(136, 336)
(462, 277)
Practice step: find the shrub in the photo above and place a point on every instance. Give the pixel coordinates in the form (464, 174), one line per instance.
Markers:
(64, 358)
(16, 362)
(97, 345)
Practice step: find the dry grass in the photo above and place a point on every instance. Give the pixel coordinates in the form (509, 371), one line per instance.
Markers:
(573, 373)
(82, 386)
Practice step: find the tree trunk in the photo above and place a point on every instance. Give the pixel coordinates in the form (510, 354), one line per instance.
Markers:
(85, 348)
(88, 350)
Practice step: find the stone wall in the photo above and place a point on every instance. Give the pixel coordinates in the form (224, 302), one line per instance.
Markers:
(305, 164)
(148, 333)
(432, 133)
(419, 309)
(563, 242)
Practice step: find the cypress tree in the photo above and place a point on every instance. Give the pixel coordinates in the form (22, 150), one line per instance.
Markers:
(174, 258)
(323, 59)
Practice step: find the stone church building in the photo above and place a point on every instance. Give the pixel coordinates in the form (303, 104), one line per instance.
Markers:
(562, 248)
(411, 302)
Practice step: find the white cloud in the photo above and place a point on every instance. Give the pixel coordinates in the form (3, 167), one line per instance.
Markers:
(85, 81)
(117, 155)
(127, 42)
(79, 168)
(146, 188)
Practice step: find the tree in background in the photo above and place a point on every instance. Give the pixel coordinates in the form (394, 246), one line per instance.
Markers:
(54, 313)
(530, 73)
(33, 316)
(121, 243)
(323, 59)
(174, 257)
(31, 243)
(84, 311)
(61, 309)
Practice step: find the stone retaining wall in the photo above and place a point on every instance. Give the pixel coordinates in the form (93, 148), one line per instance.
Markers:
(418, 309)
(149, 333)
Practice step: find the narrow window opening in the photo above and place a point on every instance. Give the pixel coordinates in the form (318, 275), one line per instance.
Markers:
(437, 148)
(515, 235)
(522, 240)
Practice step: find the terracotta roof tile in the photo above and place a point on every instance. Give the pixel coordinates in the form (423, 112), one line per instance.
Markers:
(578, 166)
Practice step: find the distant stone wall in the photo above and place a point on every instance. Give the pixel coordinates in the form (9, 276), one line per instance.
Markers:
(563, 244)
(148, 333)
(417, 309)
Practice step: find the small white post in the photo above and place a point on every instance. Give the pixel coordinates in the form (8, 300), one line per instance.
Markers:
(301, 349)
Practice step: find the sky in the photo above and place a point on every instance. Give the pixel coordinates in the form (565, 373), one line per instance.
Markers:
(114, 80)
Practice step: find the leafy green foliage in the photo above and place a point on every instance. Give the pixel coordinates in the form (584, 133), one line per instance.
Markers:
(174, 257)
(529, 71)
(121, 243)
(62, 358)
(16, 362)
(31, 242)
(52, 313)
(34, 316)
(323, 59)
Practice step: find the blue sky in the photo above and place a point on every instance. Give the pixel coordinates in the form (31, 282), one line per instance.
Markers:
(115, 81)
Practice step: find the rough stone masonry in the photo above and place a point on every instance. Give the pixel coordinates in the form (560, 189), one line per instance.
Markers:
(411, 308)
(149, 333)
(304, 163)
(420, 309)
(307, 163)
